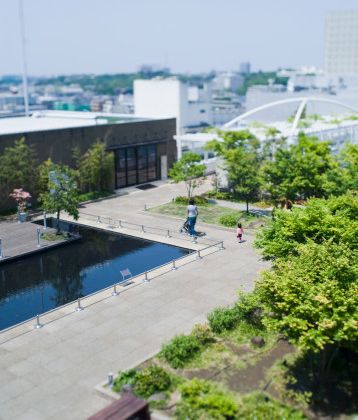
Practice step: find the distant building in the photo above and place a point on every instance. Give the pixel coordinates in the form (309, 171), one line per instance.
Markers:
(227, 81)
(341, 43)
(245, 67)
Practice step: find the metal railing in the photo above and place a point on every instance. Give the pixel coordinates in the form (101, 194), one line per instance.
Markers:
(136, 280)
(113, 223)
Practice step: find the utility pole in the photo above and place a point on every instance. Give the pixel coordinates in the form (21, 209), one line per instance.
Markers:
(24, 64)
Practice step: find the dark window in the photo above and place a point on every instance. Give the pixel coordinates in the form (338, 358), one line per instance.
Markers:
(136, 165)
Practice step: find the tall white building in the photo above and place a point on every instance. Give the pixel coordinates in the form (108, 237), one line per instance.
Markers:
(341, 44)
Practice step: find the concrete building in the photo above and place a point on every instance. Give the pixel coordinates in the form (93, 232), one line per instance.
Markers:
(144, 149)
(227, 81)
(245, 67)
(341, 43)
(169, 97)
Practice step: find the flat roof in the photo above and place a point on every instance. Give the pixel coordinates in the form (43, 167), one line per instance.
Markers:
(54, 120)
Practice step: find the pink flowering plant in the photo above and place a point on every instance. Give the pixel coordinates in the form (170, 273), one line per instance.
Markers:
(21, 197)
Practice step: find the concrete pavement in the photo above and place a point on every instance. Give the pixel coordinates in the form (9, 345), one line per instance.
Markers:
(50, 373)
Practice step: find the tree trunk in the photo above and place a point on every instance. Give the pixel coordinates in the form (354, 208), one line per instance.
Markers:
(247, 206)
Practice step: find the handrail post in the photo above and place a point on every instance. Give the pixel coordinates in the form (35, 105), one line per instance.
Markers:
(199, 257)
(1, 255)
(38, 237)
(168, 234)
(115, 293)
(221, 246)
(98, 219)
(143, 231)
(145, 207)
(120, 223)
(174, 267)
(45, 221)
(79, 308)
(38, 324)
(146, 280)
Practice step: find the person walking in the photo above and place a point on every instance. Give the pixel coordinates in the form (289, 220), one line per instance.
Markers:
(192, 215)
(239, 232)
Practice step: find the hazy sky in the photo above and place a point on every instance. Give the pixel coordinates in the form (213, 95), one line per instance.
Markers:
(110, 36)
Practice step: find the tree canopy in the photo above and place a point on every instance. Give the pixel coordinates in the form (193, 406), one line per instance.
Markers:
(240, 151)
(188, 169)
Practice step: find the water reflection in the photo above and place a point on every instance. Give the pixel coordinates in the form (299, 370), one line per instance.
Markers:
(39, 283)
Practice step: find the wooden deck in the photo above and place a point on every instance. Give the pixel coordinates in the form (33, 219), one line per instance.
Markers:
(20, 239)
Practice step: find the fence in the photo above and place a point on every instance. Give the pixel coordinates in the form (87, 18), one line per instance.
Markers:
(144, 277)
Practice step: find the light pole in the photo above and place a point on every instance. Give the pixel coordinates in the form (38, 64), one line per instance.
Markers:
(24, 64)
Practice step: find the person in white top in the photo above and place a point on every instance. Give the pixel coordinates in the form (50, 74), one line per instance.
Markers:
(192, 215)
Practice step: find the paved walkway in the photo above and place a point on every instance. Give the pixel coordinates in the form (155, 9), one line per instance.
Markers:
(50, 373)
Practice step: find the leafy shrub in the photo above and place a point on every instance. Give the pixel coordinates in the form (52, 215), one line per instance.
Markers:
(145, 382)
(250, 309)
(152, 380)
(203, 400)
(199, 200)
(127, 377)
(219, 195)
(223, 319)
(261, 407)
(180, 350)
(229, 220)
(203, 334)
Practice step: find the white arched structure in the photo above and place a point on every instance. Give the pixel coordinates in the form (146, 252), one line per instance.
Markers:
(302, 104)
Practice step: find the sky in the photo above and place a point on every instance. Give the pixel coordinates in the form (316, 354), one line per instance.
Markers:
(188, 36)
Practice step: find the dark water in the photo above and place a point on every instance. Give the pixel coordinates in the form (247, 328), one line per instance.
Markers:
(39, 283)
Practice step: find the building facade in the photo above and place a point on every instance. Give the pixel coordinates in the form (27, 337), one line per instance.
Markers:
(144, 149)
(341, 43)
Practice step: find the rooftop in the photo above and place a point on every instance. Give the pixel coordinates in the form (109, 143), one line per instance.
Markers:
(54, 120)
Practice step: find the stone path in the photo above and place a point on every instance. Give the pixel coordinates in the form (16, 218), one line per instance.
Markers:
(19, 239)
(50, 373)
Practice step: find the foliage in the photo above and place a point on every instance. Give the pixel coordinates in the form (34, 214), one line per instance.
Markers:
(335, 219)
(203, 334)
(127, 377)
(188, 169)
(219, 195)
(260, 78)
(152, 380)
(260, 406)
(229, 220)
(180, 350)
(203, 400)
(21, 197)
(147, 382)
(43, 171)
(62, 194)
(345, 177)
(240, 153)
(17, 169)
(94, 195)
(95, 168)
(199, 200)
(223, 319)
(314, 296)
(299, 170)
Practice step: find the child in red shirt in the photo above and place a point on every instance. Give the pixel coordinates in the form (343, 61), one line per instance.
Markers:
(239, 232)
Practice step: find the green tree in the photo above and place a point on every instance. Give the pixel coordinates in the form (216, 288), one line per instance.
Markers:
(96, 168)
(43, 171)
(17, 169)
(334, 219)
(188, 169)
(62, 194)
(312, 298)
(346, 176)
(300, 170)
(240, 151)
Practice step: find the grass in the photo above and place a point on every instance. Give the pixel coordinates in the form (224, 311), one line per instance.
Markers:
(54, 236)
(207, 214)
